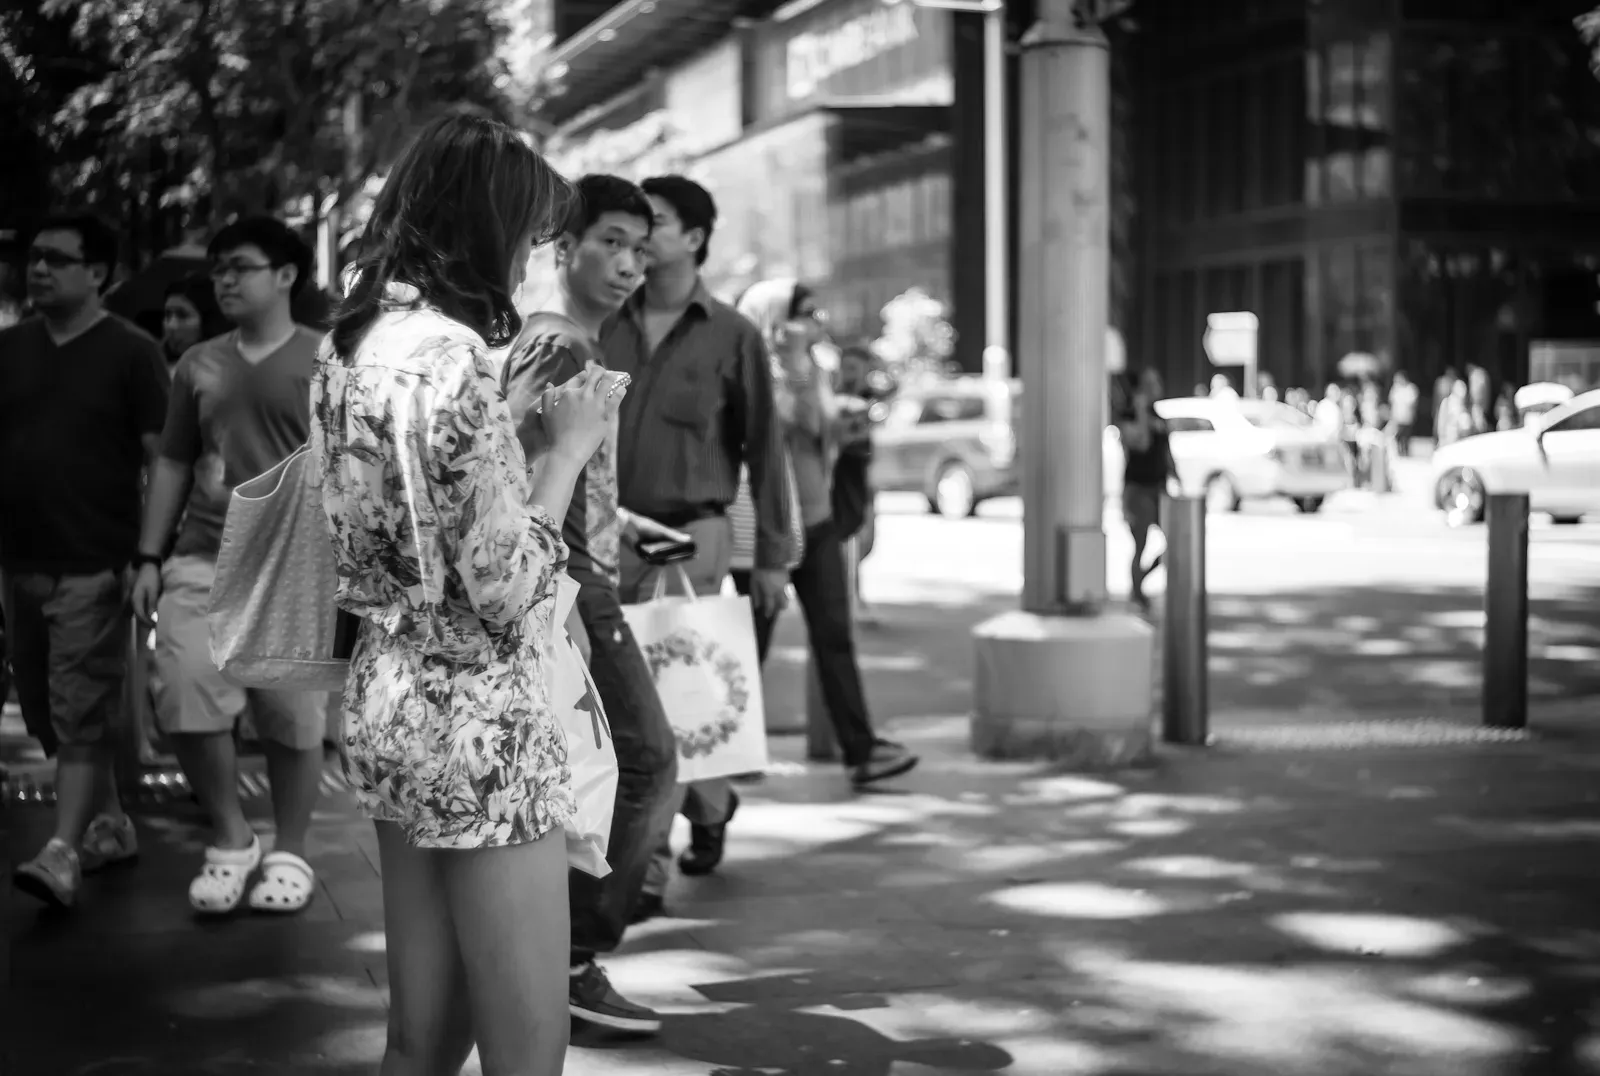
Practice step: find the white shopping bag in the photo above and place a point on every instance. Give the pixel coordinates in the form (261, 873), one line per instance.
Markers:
(590, 753)
(702, 653)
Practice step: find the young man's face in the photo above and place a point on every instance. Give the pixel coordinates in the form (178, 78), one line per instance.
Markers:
(605, 266)
(670, 243)
(59, 280)
(248, 285)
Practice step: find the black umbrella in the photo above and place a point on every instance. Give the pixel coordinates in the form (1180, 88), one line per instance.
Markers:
(144, 293)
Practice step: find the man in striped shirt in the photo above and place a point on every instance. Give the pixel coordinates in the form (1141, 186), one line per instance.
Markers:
(700, 407)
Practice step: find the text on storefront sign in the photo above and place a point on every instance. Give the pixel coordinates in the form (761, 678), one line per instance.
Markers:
(811, 59)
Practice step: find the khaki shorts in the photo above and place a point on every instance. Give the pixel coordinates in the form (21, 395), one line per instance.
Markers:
(68, 641)
(192, 696)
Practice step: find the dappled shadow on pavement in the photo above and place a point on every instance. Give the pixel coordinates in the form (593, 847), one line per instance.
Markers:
(1321, 651)
(1234, 915)
(1388, 648)
(1227, 914)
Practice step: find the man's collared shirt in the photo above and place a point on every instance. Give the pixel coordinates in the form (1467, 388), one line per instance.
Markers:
(700, 407)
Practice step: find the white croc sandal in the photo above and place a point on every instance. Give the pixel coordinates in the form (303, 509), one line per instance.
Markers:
(220, 885)
(286, 885)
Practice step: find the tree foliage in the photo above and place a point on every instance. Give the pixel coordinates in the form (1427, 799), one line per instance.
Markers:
(194, 110)
(1588, 25)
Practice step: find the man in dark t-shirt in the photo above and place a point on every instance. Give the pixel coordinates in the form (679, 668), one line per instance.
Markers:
(240, 406)
(1147, 467)
(82, 395)
(600, 261)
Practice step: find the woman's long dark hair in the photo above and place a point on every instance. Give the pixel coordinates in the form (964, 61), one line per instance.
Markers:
(197, 290)
(452, 212)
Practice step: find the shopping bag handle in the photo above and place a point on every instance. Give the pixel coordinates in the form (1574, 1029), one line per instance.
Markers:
(683, 577)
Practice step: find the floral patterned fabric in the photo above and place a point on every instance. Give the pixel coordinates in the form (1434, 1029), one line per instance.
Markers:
(448, 729)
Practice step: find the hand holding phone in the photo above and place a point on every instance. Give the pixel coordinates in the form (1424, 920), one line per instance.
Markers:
(659, 552)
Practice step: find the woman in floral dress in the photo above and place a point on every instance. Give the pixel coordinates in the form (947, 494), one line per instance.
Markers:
(447, 550)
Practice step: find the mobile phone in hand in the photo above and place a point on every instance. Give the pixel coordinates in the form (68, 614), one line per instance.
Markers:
(659, 552)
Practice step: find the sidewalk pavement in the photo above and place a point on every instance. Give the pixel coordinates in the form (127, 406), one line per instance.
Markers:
(1417, 911)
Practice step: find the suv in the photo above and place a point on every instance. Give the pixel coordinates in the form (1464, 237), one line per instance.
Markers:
(953, 441)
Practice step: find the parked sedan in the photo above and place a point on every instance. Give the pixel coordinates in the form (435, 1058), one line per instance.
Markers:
(1235, 450)
(953, 441)
(1554, 459)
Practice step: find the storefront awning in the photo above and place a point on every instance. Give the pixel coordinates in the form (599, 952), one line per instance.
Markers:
(611, 54)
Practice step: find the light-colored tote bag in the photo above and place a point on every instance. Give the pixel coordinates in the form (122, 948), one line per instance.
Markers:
(702, 655)
(591, 754)
(272, 615)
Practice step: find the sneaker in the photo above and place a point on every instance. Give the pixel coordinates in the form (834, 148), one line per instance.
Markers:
(53, 875)
(592, 998)
(109, 840)
(888, 760)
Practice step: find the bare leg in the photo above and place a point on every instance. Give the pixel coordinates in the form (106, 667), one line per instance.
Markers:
(296, 776)
(80, 777)
(111, 798)
(430, 1021)
(211, 764)
(1141, 538)
(509, 906)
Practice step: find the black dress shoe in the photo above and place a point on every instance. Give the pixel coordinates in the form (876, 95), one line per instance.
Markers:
(705, 843)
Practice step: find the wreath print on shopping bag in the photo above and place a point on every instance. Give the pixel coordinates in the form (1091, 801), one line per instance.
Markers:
(688, 647)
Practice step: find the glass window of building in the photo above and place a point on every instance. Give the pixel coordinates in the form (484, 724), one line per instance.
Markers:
(1312, 119)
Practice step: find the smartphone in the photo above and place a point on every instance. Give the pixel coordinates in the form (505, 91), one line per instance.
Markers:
(663, 551)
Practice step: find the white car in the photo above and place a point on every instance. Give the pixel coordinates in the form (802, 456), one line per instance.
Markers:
(1234, 450)
(1554, 459)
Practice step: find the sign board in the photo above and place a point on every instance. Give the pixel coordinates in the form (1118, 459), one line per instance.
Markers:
(1230, 338)
(814, 58)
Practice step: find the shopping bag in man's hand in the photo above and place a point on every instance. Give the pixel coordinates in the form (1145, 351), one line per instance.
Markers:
(702, 654)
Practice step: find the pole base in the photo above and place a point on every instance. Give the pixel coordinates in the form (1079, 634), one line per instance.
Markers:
(1078, 690)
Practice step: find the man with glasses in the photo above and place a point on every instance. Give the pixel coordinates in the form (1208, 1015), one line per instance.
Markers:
(82, 397)
(240, 405)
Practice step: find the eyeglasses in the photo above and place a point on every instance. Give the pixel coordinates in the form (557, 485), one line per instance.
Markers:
(55, 259)
(224, 271)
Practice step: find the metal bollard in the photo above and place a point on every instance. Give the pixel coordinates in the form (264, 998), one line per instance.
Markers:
(1185, 703)
(1505, 608)
(1378, 465)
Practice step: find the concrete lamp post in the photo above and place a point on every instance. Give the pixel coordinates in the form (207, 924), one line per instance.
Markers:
(1063, 677)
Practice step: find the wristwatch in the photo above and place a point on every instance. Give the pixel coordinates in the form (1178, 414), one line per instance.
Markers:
(141, 559)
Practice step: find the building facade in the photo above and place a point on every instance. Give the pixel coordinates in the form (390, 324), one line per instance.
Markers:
(1415, 179)
(826, 132)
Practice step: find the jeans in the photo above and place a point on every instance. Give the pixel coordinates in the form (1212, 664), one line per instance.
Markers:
(704, 803)
(647, 776)
(823, 587)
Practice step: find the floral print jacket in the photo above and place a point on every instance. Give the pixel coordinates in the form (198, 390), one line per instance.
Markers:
(447, 722)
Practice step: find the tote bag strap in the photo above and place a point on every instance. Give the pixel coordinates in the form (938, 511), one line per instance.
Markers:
(683, 578)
